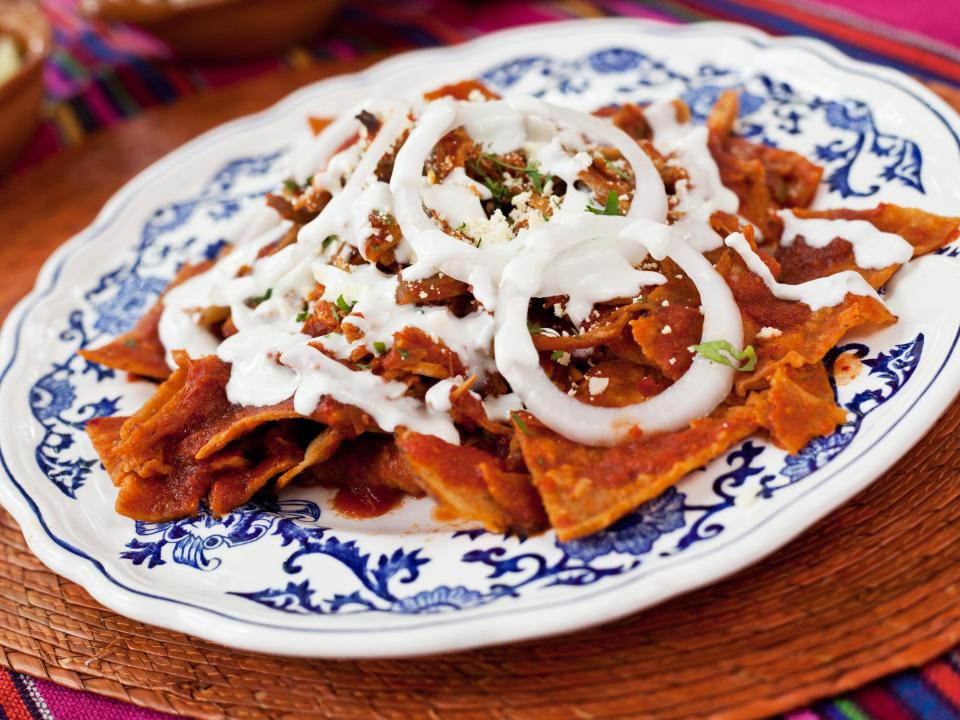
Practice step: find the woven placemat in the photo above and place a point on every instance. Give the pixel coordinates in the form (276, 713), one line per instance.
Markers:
(872, 589)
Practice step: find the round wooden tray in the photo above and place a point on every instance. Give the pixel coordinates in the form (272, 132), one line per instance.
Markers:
(872, 589)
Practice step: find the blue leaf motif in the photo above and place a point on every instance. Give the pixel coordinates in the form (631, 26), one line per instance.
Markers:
(439, 599)
(635, 533)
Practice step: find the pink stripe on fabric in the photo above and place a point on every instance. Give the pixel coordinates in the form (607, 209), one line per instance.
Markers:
(939, 20)
(802, 715)
(66, 704)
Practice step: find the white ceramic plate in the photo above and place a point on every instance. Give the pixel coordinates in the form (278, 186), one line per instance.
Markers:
(289, 576)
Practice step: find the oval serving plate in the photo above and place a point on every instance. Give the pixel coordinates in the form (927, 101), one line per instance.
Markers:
(285, 574)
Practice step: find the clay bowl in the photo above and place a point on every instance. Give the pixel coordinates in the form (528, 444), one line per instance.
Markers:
(213, 30)
(21, 96)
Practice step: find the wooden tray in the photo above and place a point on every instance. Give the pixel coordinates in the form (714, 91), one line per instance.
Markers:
(872, 589)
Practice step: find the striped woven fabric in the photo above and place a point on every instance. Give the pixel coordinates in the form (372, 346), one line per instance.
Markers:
(100, 75)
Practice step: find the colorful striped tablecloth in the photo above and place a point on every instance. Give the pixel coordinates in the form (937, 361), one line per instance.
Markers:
(99, 75)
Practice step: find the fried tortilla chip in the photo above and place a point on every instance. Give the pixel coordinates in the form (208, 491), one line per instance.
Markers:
(104, 433)
(229, 478)
(800, 335)
(468, 482)
(585, 489)
(371, 460)
(799, 406)
(924, 231)
(139, 351)
(764, 178)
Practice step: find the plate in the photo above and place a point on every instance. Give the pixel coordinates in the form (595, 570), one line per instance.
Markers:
(285, 574)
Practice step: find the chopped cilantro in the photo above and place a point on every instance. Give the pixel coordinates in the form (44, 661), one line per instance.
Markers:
(532, 171)
(327, 240)
(344, 306)
(500, 192)
(612, 206)
(520, 423)
(130, 343)
(619, 171)
(403, 353)
(713, 350)
(255, 300)
(380, 346)
(534, 328)
(363, 366)
(557, 354)
(291, 185)
(303, 315)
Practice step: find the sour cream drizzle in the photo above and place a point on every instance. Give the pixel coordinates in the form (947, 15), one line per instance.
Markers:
(587, 257)
(872, 248)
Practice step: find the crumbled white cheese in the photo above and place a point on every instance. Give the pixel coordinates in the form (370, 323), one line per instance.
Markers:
(511, 182)
(489, 231)
(769, 332)
(597, 385)
(476, 96)
(665, 303)
(672, 361)
(666, 330)
(522, 210)
(423, 295)
(564, 359)
(558, 310)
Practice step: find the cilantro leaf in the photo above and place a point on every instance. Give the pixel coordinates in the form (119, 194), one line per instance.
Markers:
(713, 350)
(254, 300)
(612, 206)
(344, 306)
(380, 346)
(520, 423)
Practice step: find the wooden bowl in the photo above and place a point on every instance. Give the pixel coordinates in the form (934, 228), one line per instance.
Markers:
(21, 96)
(221, 29)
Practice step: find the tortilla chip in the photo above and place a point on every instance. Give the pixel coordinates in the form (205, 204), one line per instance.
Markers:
(230, 477)
(669, 323)
(280, 451)
(515, 493)
(371, 460)
(801, 262)
(320, 449)
(139, 351)
(457, 478)
(415, 352)
(925, 231)
(764, 178)
(104, 433)
(800, 406)
(585, 489)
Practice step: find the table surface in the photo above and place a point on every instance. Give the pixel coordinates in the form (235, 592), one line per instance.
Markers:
(867, 603)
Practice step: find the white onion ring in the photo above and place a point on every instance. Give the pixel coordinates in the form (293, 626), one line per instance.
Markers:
(694, 395)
